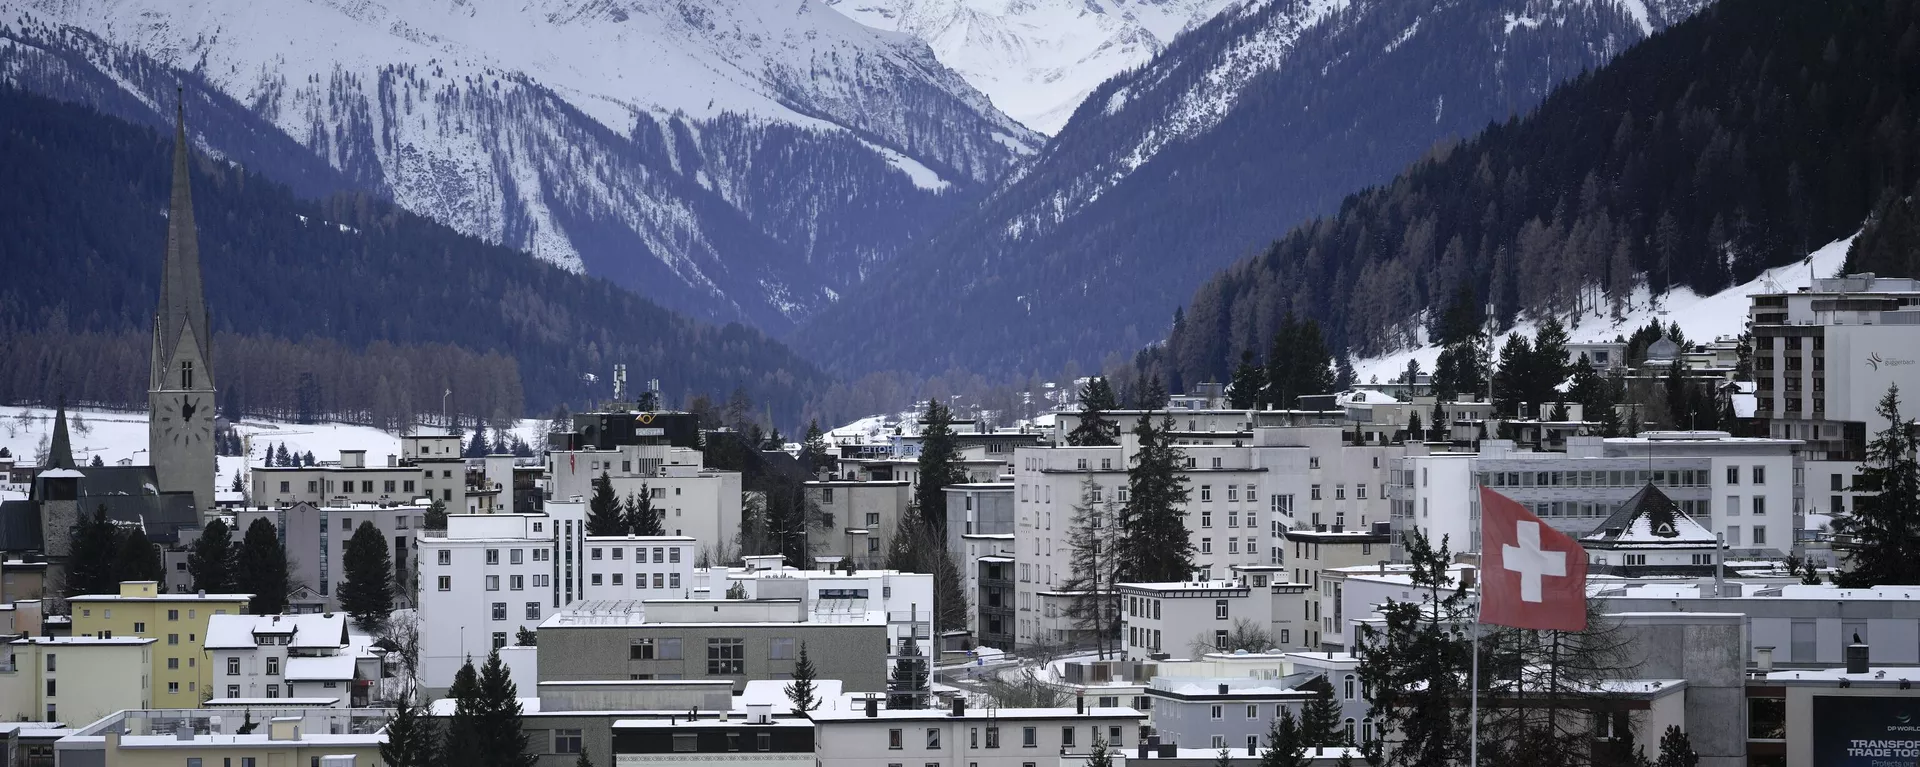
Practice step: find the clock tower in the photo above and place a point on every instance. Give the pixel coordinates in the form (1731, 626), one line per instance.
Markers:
(180, 400)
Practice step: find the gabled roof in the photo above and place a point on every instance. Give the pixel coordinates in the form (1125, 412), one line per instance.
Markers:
(309, 630)
(1650, 519)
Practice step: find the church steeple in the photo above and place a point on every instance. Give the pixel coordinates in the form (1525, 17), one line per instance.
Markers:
(183, 308)
(60, 449)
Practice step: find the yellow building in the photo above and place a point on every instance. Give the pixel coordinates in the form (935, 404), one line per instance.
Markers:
(182, 673)
(73, 679)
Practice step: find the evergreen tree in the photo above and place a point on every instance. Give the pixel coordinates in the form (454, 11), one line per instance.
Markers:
(801, 692)
(137, 558)
(939, 466)
(210, 561)
(367, 591)
(464, 745)
(95, 461)
(1512, 381)
(1248, 381)
(1320, 723)
(412, 738)
(1676, 749)
(477, 447)
(503, 742)
(239, 482)
(1549, 368)
(583, 761)
(91, 556)
(1298, 363)
(1094, 429)
(1223, 758)
(1415, 430)
(526, 637)
(1884, 528)
(1093, 545)
(1152, 395)
(1285, 746)
(1415, 667)
(306, 459)
(437, 515)
(737, 591)
(640, 517)
(1155, 546)
(907, 687)
(281, 458)
(813, 452)
(260, 568)
(1097, 755)
(603, 509)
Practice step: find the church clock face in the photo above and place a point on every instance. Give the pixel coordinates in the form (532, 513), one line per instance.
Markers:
(188, 421)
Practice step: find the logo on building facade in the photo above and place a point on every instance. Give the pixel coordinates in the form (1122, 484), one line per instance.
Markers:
(1874, 361)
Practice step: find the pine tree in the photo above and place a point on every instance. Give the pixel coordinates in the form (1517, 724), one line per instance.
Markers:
(583, 761)
(1884, 528)
(1415, 667)
(137, 559)
(1248, 381)
(1151, 395)
(464, 745)
(1676, 749)
(603, 509)
(1320, 723)
(1285, 747)
(91, 556)
(737, 591)
(281, 458)
(210, 562)
(939, 466)
(526, 637)
(1549, 368)
(477, 448)
(437, 515)
(306, 459)
(813, 451)
(260, 568)
(801, 692)
(1223, 758)
(1093, 546)
(367, 591)
(1415, 430)
(412, 738)
(1155, 546)
(503, 742)
(1094, 429)
(907, 688)
(239, 483)
(640, 517)
(1512, 381)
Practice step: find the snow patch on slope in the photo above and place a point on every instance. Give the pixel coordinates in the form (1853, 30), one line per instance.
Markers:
(1703, 318)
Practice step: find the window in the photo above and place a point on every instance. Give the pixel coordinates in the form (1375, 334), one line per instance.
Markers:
(515, 556)
(686, 742)
(1759, 475)
(445, 582)
(1339, 492)
(1217, 712)
(1066, 737)
(139, 627)
(533, 611)
(1759, 508)
(499, 611)
(618, 577)
(566, 741)
(1313, 491)
(993, 737)
(895, 740)
(499, 639)
(1220, 609)
(273, 667)
(641, 649)
(50, 686)
(1766, 718)
(173, 664)
(1206, 492)
(233, 667)
(445, 557)
(1759, 534)
(933, 738)
(173, 615)
(673, 579)
(726, 656)
(780, 648)
(273, 691)
(493, 583)
(1206, 545)
(594, 554)
(619, 552)
(1206, 518)
(1733, 475)
(1220, 639)
(233, 691)
(1029, 737)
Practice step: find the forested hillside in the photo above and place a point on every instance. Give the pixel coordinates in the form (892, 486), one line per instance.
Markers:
(348, 295)
(1735, 141)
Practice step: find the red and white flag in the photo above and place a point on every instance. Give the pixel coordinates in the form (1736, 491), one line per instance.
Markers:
(1531, 576)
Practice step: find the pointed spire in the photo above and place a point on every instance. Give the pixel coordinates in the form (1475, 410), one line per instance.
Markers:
(60, 449)
(182, 308)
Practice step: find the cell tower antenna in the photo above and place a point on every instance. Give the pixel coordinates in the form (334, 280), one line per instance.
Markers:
(619, 382)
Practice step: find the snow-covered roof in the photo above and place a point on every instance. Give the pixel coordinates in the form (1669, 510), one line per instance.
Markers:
(321, 669)
(311, 630)
(1650, 520)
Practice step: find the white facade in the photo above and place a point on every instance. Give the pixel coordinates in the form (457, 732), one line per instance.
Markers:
(286, 656)
(636, 567)
(700, 503)
(481, 580)
(1004, 737)
(1434, 494)
(428, 466)
(906, 599)
(1192, 619)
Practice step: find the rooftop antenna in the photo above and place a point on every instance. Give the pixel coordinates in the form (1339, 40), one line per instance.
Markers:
(619, 382)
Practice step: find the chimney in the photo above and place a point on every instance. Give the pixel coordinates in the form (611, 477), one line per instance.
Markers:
(1079, 704)
(959, 706)
(873, 707)
(1339, 527)
(1223, 689)
(1857, 656)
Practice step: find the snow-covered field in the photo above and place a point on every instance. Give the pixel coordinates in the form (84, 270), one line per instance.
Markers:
(1702, 318)
(118, 435)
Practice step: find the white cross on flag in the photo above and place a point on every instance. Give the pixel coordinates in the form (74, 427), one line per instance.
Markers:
(1531, 576)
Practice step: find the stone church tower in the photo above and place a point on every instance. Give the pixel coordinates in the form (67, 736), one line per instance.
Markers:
(180, 398)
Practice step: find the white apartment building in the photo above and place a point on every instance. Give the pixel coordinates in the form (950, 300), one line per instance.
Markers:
(905, 599)
(638, 567)
(428, 466)
(694, 501)
(1190, 619)
(1362, 590)
(311, 657)
(850, 731)
(481, 580)
(1245, 489)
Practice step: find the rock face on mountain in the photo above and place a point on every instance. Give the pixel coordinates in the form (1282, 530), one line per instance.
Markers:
(742, 159)
(1242, 128)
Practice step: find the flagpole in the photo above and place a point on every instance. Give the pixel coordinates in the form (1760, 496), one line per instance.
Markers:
(1473, 690)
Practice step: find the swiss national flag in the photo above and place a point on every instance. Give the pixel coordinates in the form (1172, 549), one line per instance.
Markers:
(1531, 576)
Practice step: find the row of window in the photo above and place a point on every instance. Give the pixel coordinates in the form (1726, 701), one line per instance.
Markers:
(660, 554)
(514, 582)
(500, 611)
(1609, 478)
(1029, 737)
(660, 580)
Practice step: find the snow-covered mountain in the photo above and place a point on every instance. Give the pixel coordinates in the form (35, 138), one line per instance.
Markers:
(1037, 59)
(1244, 127)
(736, 158)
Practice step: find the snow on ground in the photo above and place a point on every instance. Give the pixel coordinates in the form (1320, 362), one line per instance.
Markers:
(1703, 318)
(119, 435)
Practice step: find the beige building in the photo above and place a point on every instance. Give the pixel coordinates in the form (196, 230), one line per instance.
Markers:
(73, 678)
(280, 737)
(864, 515)
(182, 670)
(428, 466)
